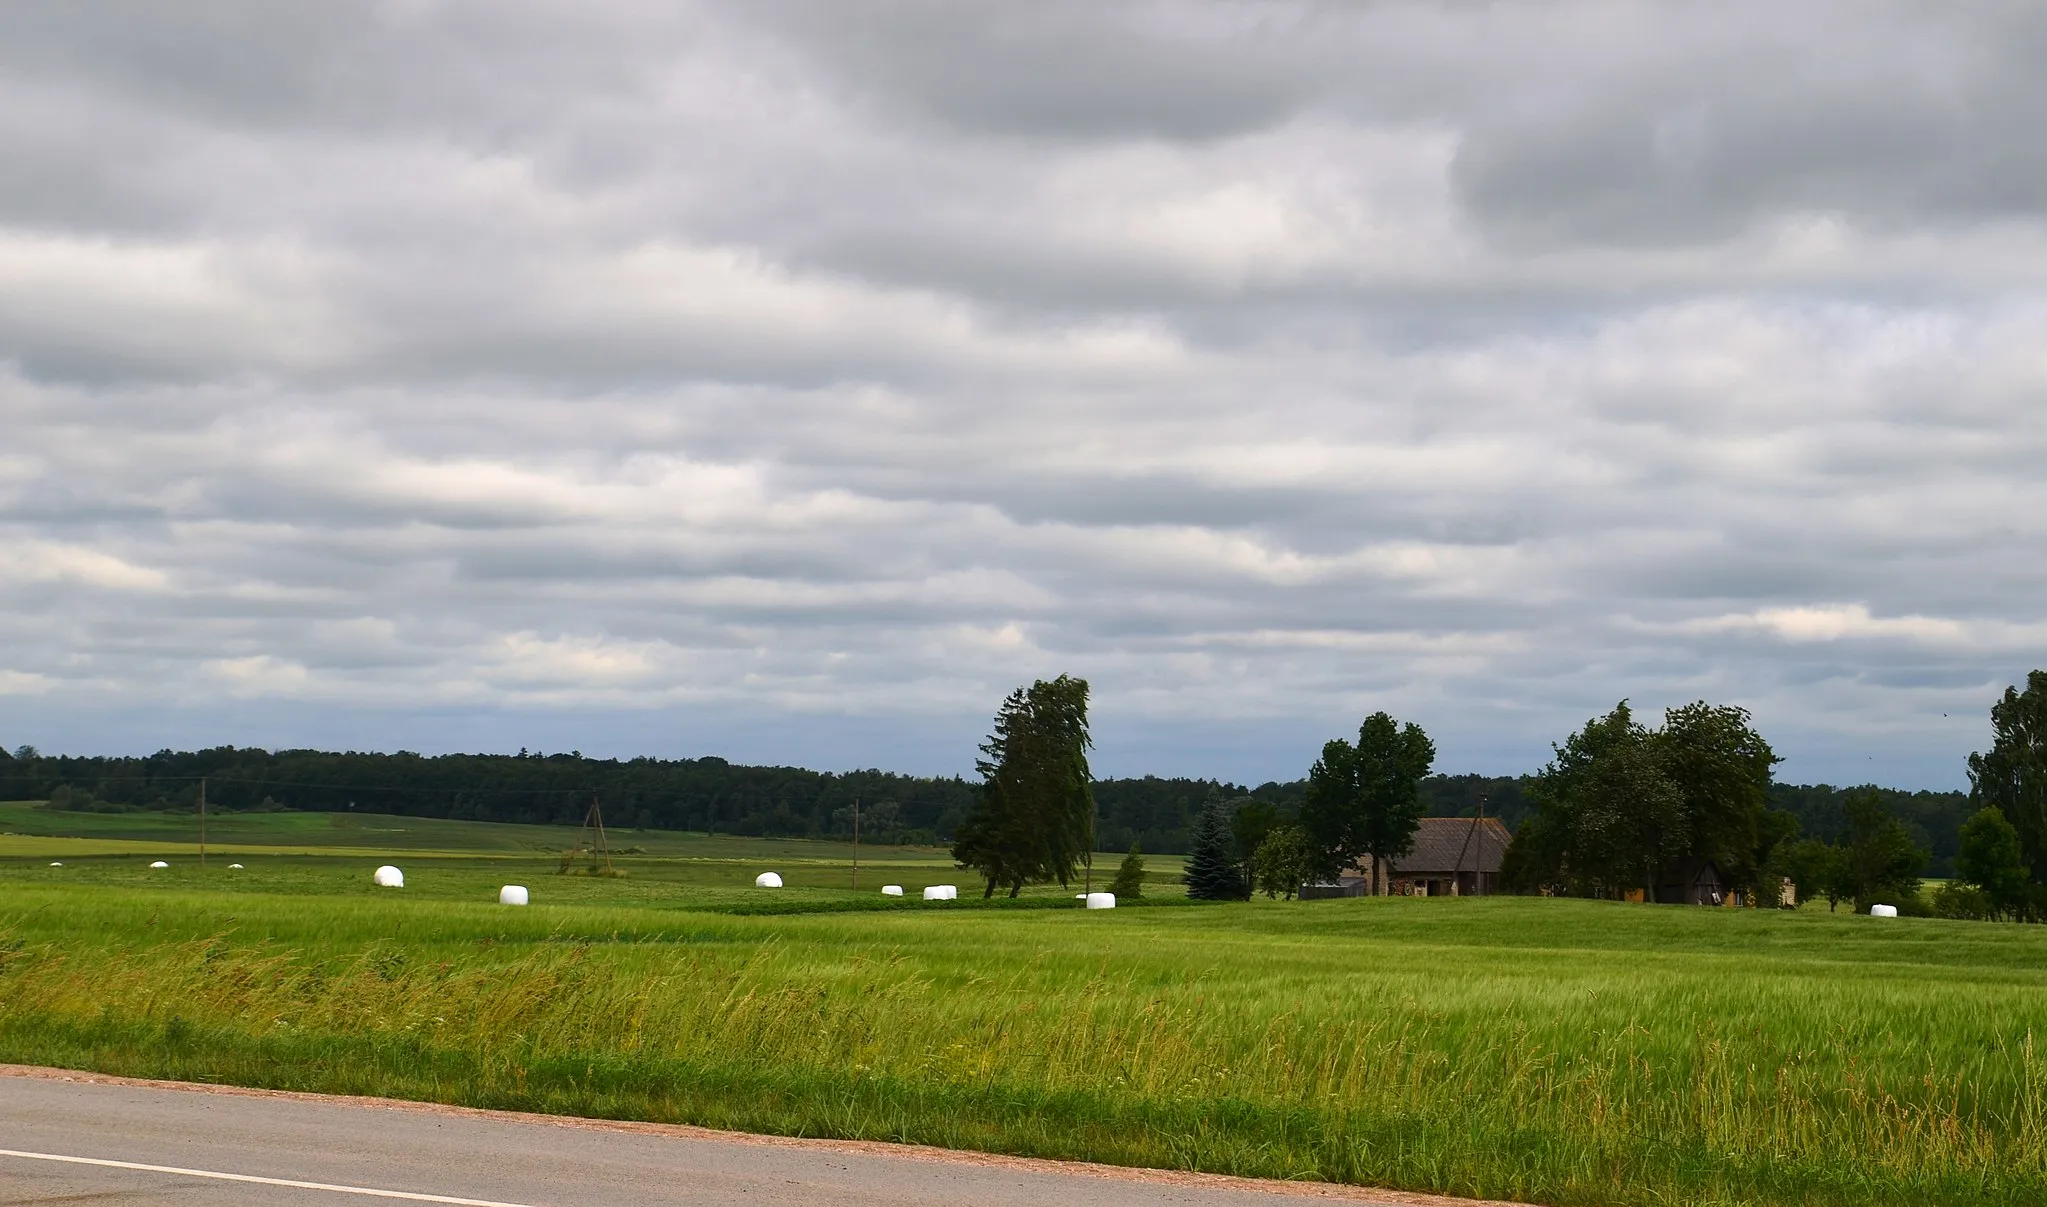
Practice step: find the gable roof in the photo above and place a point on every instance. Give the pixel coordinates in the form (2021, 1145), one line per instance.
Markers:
(1455, 844)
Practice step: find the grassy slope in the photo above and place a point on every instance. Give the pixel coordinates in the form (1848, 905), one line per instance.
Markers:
(1558, 1051)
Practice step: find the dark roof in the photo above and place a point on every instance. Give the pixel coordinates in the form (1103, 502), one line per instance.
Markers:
(1455, 844)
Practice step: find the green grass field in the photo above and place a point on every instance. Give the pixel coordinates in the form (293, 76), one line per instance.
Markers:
(1554, 1051)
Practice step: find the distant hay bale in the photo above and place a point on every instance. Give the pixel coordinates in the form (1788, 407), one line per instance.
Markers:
(234, 867)
(1883, 911)
(159, 864)
(891, 890)
(942, 892)
(768, 880)
(1101, 901)
(389, 877)
(57, 863)
(512, 894)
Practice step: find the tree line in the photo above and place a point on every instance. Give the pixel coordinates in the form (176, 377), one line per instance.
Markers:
(1624, 809)
(710, 794)
(1619, 802)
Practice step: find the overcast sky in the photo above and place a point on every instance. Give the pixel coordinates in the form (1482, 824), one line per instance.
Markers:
(787, 381)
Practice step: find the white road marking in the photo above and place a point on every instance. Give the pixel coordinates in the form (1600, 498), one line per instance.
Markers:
(368, 1191)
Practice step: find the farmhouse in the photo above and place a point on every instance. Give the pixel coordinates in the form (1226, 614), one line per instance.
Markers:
(1452, 857)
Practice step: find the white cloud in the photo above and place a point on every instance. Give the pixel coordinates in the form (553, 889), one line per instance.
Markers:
(821, 371)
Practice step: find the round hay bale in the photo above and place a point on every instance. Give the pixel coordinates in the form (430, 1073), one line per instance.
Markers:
(891, 890)
(942, 892)
(159, 864)
(389, 877)
(57, 863)
(768, 880)
(1101, 901)
(234, 867)
(512, 894)
(1883, 911)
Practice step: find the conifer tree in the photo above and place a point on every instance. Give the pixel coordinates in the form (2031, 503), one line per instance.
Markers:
(1034, 820)
(1212, 871)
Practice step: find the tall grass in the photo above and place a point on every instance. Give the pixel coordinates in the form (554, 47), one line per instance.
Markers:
(1563, 1052)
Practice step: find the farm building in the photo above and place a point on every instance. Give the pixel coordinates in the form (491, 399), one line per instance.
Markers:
(1452, 857)
(1691, 882)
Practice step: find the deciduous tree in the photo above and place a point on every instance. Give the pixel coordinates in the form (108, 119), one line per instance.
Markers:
(1881, 862)
(1281, 862)
(1721, 768)
(1990, 858)
(2012, 774)
(1363, 802)
(1129, 882)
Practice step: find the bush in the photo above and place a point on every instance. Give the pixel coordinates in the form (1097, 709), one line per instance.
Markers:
(77, 800)
(1129, 882)
(1958, 900)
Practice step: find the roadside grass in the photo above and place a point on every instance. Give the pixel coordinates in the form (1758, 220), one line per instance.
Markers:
(1563, 1052)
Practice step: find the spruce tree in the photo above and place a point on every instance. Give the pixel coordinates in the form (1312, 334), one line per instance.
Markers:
(1212, 871)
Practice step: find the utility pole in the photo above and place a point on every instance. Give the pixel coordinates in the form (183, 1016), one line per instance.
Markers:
(856, 844)
(202, 823)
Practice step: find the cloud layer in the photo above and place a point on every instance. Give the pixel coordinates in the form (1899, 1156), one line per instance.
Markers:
(789, 380)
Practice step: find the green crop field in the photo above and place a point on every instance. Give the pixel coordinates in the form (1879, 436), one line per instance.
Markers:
(1552, 1051)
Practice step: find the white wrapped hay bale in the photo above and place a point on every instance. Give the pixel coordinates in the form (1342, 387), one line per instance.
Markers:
(234, 867)
(891, 890)
(1883, 911)
(389, 877)
(159, 864)
(942, 892)
(57, 864)
(768, 880)
(1101, 901)
(512, 894)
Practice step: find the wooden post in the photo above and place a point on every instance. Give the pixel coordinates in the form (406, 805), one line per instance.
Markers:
(202, 823)
(856, 844)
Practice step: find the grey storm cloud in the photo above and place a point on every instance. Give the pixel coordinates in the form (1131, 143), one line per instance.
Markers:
(788, 380)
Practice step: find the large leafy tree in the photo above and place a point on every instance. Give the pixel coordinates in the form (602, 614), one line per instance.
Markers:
(1281, 862)
(1880, 862)
(1034, 819)
(1990, 858)
(1620, 800)
(1721, 768)
(1607, 813)
(2012, 775)
(1363, 802)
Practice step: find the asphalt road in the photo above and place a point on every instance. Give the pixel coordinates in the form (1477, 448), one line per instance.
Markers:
(74, 1141)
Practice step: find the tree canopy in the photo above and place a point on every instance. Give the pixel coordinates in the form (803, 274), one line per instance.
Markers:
(2012, 775)
(1363, 801)
(1034, 821)
(1992, 859)
(1620, 801)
